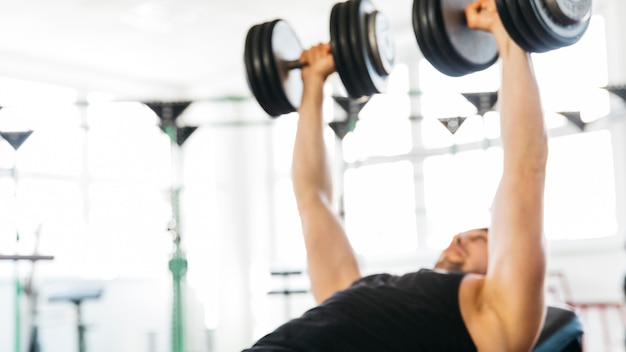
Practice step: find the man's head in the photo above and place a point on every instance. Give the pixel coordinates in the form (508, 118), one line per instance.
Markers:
(467, 253)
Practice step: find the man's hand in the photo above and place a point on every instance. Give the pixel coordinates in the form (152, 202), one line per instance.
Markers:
(318, 62)
(483, 15)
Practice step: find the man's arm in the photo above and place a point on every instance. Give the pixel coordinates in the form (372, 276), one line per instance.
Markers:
(510, 298)
(332, 265)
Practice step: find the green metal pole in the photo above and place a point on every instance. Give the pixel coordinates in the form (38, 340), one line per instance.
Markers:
(15, 139)
(18, 313)
(178, 267)
(17, 343)
(178, 262)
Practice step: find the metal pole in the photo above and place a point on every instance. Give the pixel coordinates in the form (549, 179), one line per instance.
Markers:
(178, 262)
(16, 276)
(81, 328)
(16, 139)
(17, 311)
(168, 113)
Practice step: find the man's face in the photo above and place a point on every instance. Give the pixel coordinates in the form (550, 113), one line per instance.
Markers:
(467, 253)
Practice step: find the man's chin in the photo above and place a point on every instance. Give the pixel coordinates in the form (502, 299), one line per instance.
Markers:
(448, 265)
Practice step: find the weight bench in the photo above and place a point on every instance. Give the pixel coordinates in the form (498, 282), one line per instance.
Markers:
(562, 331)
(77, 297)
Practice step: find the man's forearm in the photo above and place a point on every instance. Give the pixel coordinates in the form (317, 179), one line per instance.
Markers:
(332, 265)
(518, 206)
(310, 167)
(517, 260)
(524, 137)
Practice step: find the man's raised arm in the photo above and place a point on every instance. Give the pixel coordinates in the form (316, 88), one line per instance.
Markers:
(511, 299)
(332, 265)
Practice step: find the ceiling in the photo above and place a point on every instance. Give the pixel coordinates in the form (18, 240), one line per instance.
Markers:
(161, 49)
(157, 49)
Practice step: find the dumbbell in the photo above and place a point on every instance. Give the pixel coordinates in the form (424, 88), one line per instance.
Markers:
(537, 26)
(361, 44)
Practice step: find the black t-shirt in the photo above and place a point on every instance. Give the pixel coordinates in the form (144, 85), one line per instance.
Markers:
(380, 313)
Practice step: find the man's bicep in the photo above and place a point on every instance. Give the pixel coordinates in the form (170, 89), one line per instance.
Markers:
(332, 264)
(516, 234)
(514, 284)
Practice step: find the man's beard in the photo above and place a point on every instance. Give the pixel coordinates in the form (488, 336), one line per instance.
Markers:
(448, 265)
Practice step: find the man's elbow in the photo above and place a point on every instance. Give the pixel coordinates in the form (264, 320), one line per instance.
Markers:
(531, 161)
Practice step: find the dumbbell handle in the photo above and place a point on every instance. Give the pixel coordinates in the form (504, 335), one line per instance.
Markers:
(293, 64)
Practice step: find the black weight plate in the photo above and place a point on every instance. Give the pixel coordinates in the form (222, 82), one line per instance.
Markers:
(270, 74)
(335, 45)
(356, 22)
(540, 32)
(252, 78)
(472, 50)
(256, 80)
(247, 60)
(335, 42)
(381, 48)
(384, 43)
(348, 71)
(334, 38)
(568, 12)
(531, 41)
(351, 27)
(559, 33)
(419, 17)
(426, 45)
(282, 105)
(374, 82)
(263, 70)
(511, 27)
(436, 32)
(442, 41)
(351, 71)
(426, 41)
(284, 46)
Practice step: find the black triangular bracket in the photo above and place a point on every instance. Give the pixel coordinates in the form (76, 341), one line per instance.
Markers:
(168, 112)
(619, 90)
(180, 134)
(352, 107)
(574, 117)
(342, 128)
(16, 139)
(482, 101)
(452, 124)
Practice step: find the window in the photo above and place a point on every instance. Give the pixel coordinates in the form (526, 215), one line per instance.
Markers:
(40, 182)
(580, 187)
(129, 189)
(383, 127)
(562, 91)
(580, 192)
(380, 208)
(288, 246)
(458, 192)
(94, 180)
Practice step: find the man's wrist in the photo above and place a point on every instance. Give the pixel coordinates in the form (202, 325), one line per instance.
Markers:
(314, 81)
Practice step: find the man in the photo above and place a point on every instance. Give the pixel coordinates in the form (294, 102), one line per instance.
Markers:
(470, 301)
